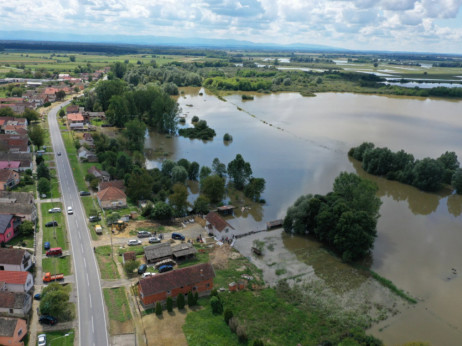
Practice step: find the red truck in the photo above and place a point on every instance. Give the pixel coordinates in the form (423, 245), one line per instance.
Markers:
(49, 278)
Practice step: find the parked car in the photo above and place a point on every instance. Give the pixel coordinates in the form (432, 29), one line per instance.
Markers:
(154, 240)
(142, 269)
(54, 210)
(133, 242)
(55, 251)
(165, 268)
(178, 236)
(85, 193)
(94, 218)
(46, 319)
(42, 340)
(51, 224)
(47, 245)
(144, 234)
(70, 211)
(147, 274)
(37, 296)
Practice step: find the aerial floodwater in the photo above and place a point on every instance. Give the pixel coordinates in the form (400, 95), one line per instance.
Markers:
(300, 144)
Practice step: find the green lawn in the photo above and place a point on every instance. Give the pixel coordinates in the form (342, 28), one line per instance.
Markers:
(117, 304)
(28, 241)
(107, 266)
(201, 257)
(54, 265)
(60, 338)
(90, 203)
(55, 235)
(79, 174)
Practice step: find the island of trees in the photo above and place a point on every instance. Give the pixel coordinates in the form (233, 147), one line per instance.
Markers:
(427, 174)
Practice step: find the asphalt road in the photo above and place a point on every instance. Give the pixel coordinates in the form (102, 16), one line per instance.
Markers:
(91, 313)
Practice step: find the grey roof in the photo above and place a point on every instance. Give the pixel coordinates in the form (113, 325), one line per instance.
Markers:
(157, 251)
(16, 197)
(12, 256)
(5, 221)
(7, 326)
(17, 208)
(183, 249)
(13, 300)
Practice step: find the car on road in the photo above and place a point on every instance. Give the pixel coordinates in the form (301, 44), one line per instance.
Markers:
(54, 210)
(85, 193)
(70, 211)
(94, 218)
(42, 340)
(154, 240)
(47, 319)
(59, 153)
(178, 236)
(37, 296)
(51, 224)
(165, 268)
(47, 245)
(142, 269)
(144, 234)
(133, 242)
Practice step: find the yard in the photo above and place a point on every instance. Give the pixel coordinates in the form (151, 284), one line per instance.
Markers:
(107, 266)
(120, 317)
(61, 338)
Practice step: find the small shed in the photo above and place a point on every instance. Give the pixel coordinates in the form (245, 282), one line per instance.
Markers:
(183, 251)
(129, 256)
(226, 210)
(157, 252)
(274, 224)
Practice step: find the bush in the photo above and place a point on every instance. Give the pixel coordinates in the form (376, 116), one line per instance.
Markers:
(190, 299)
(241, 333)
(180, 301)
(228, 315)
(258, 342)
(130, 266)
(217, 306)
(158, 309)
(233, 324)
(214, 293)
(195, 119)
(227, 137)
(196, 297)
(169, 304)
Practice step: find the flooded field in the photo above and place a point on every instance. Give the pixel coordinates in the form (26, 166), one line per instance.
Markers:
(299, 146)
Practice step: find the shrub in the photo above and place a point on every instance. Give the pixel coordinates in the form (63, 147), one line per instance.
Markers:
(169, 304)
(258, 342)
(228, 315)
(130, 266)
(217, 306)
(190, 299)
(196, 297)
(195, 119)
(227, 137)
(180, 301)
(241, 333)
(214, 293)
(233, 324)
(158, 309)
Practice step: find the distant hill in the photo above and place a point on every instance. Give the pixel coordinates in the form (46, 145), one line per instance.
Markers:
(165, 41)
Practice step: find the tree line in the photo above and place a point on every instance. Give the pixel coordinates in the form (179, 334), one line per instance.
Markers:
(427, 174)
(345, 219)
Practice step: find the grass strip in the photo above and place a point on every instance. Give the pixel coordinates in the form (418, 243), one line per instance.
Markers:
(117, 304)
(107, 266)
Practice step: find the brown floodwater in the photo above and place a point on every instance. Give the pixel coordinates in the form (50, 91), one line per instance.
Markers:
(300, 144)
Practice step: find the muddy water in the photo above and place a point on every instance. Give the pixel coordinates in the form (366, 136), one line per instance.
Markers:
(299, 146)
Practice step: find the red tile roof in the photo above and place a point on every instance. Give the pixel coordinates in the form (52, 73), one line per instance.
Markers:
(177, 278)
(217, 221)
(114, 183)
(111, 194)
(13, 277)
(6, 174)
(75, 117)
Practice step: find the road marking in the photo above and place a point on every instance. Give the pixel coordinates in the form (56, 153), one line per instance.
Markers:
(80, 238)
(88, 281)
(81, 247)
(92, 325)
(85, 264)
(91, 305)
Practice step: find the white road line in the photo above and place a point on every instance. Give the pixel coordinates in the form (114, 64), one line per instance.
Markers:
(91, 304)
(92, 325)
(85, 264)
(81, 247)
(80, 238)
(88, 280)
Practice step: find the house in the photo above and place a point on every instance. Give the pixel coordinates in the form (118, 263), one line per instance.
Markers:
(85, 154)
(21, 204)
(218, 226)
(11, 165)
(129, 256)
(12, 331)
(183, 251)
(8, 227)
(111, 198)
(100, 174)
(72, 109)
(14, 130)
(157, 252)
(14, 281)
(77, 127)
(226, 210)
(87, 140)
(8, 179)
(73, 118)
(12, 259)
(115, 183)
(17, 304)
(15, 143)
(197, 278)
(25, 160)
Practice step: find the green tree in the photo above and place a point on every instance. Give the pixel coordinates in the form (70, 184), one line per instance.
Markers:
(450, 163)
(179, 174)
(239, 172)
(16, 91)
(26, 228)
(61, 113)
(169, 304)
(106, 89)
(228, 315)
(428, 174)
(457, 181)
(254, 188)
(179, 199)
(167, 167)
(135, 131)
(161, 211)
(43, 186)
(139, 185)
(119, 69)
(72, 58)
(193, 171)
(190, 299)
(213, 187)
(258, 342)
(196, 298)
(158, 309)
(55, 302)
(36, 135)
(217, 306)
(218, 168)
(7, 112)
(180, 301)
(43, 171)
(60, 95)
(117, 112)
(204, 172)
(130, 266)
(31, 115)
(201, 205)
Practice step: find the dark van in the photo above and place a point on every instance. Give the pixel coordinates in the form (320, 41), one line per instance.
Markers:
(165, 268)
(142, 268)
(55, 251)
(178, 236)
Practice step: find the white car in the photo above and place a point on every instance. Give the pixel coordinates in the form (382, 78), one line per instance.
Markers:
(54, 210)
(70, 211)
(42, 340)
(133, 242)
(147, 274)
(154, 240)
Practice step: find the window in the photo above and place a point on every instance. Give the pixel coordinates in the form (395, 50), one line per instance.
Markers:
(19, 332)
(11, 311)
(2, 268)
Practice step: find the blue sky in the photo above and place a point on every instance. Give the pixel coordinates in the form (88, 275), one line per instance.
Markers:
(407, 25)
